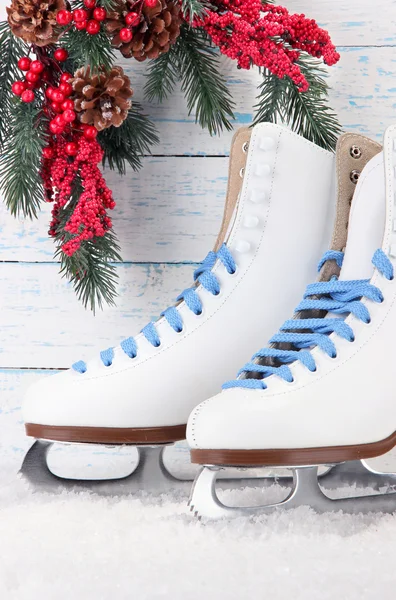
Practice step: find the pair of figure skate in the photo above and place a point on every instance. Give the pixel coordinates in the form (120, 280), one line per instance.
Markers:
(321, 393)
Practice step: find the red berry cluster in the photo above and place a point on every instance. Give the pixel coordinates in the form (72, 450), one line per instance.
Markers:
(37, 75)
(133, 18)
(89, 218)
(253, 33)
(88, 18)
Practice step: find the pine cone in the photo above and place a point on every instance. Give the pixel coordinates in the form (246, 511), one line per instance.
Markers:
(102, 100)
(158, 29)
(35, 20)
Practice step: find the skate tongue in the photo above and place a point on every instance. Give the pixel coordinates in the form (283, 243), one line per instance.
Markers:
(367, 221)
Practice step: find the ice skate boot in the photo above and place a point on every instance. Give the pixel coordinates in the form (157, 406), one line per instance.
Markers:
(323, 392)
(278, 218)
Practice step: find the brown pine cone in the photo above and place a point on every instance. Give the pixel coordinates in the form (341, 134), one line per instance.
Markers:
(102, 99)
(158, 29)
(35, 20)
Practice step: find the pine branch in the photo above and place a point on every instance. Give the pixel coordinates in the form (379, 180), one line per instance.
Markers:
(90, 269)
(86, 50)
(194, 8)
(128, 143)
(20, 163)
(202, 83)
(162, 75)
(11, 49)
(307, 113)
(108, 4)
(271, 99)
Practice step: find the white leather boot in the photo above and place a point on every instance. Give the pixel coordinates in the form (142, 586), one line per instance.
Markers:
(323, 392)
(278, 220)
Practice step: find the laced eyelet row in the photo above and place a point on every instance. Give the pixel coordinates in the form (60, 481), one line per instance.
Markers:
(302, 334)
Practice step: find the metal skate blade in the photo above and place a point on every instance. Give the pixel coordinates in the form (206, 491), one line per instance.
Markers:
(149, 475)
(356, 473)
(305, 491)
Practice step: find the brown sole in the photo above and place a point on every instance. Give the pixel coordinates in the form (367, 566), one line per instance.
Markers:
(292, 457)
(107, 435)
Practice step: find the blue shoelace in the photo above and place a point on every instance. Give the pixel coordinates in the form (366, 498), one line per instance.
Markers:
(203, 275)
(338, 297)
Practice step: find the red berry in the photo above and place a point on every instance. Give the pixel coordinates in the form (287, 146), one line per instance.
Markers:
(151, 3)
(99, 13)
(68, 104)
(65, 77)
(18, 87)
(27, 96)
(37, 67)
(48, 152)
(71, 148)
(66, 89)
(54, 128)
(61, 54)
(93, 27)
(81, 25)
(45, 76)
(125, 35)
(24, 63)
(90, 132)
(32, 77)
(59, 121)
(69, 116)
(64, 17)
(90, 4)
(80, 15)
(30, 85)
(56, 107)
(57, 96)
(48, 92)
(132, 18)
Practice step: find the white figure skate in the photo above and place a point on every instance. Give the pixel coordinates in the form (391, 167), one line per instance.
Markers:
(324, 391)
(278, 217)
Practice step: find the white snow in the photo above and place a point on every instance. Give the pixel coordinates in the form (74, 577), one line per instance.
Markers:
(77, 546)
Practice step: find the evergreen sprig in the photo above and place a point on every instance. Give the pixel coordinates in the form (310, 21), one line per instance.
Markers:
(195, 63)
(94, 51)
(307, 113)
(128, 143)
(11, 49)
(194, 8)
(108, 4)
(20, 180)
(90, 269)
(162, 75)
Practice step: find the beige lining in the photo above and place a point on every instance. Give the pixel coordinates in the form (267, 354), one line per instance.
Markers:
(237, 162)
(345, 165)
